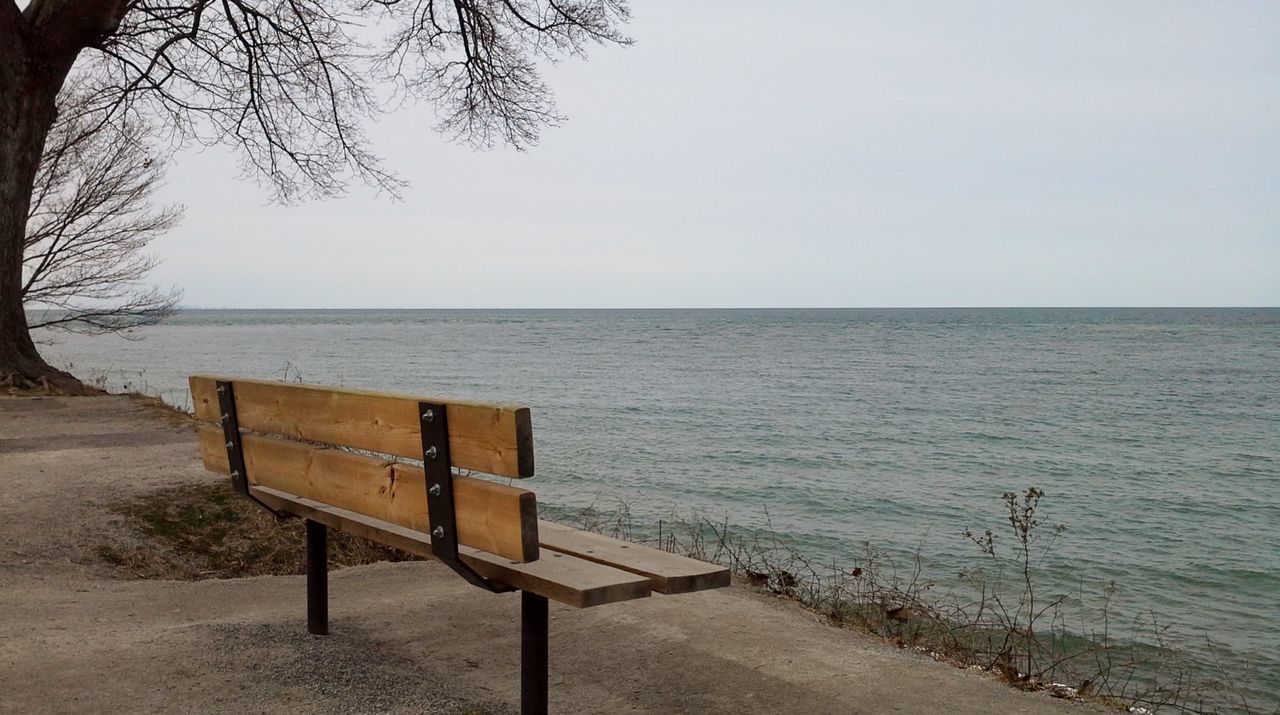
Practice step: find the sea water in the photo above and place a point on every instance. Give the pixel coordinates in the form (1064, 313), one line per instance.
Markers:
(1155, 433)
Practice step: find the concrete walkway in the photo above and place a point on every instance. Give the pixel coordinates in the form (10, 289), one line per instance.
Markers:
(409, 637)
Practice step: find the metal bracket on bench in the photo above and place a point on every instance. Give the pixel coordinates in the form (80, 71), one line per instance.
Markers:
(434, 425)
(235, 447)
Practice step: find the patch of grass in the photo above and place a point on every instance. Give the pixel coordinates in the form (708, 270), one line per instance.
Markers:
(169, 413)
(209, 531)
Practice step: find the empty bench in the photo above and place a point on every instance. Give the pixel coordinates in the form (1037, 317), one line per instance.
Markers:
(337, 458)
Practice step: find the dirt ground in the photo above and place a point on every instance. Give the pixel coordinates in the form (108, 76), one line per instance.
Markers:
(78, 636)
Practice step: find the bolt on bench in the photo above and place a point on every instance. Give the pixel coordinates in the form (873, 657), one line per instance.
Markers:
(288, 447)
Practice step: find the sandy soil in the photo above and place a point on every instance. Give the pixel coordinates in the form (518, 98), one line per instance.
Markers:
(77, 636)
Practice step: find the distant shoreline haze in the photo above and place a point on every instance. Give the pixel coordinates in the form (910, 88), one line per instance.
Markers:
(192, 308)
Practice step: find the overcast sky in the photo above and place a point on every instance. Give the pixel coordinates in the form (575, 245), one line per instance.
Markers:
(749, 154)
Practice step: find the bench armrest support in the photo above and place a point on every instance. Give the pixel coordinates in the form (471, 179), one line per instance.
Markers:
(235, 447)
(434, 426)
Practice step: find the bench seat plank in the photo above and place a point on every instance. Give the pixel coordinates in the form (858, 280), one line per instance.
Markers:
(493, 517)
(667, 572)
(560, 577)
(495, 439)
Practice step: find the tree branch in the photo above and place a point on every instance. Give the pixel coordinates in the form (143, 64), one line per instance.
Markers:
(291, 81)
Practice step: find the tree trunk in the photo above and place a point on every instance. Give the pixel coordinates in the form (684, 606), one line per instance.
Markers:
(29, 84)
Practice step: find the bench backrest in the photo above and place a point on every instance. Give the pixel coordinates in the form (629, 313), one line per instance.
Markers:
(290, 433)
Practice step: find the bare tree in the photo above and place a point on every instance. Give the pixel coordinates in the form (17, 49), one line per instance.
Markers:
(88, 225)
(289, 82)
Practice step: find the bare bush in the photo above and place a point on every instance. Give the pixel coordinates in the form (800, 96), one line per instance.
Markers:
(90, 221)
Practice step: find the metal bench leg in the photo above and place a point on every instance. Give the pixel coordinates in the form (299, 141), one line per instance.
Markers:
(317, 579)
(533, 654)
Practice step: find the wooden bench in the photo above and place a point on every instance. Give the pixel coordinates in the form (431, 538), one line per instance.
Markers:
(337, 458)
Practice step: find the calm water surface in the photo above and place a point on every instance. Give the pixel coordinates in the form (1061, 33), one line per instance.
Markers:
(1155, 433)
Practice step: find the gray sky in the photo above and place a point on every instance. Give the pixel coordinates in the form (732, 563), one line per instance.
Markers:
(811, 154)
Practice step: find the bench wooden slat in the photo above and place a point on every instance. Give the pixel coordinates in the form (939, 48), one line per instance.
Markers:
(496, 439)
(493, 517)
(667, 573)
(560, 577)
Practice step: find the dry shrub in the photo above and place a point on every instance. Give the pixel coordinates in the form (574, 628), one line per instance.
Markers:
(997, 619)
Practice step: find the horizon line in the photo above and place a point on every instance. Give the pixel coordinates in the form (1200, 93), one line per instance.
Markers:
(758, 307)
